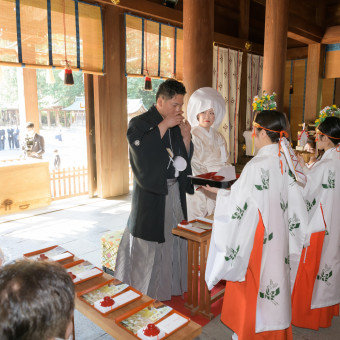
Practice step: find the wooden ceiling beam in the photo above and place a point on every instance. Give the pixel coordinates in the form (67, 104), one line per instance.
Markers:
(238, 43)
(332, 35)
(303, 30)
(300, 28)
(261, 2)
(150, 9)
(297, 53)
(302, 37)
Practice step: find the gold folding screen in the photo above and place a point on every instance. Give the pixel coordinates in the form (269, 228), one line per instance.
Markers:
(32, 34)
(153, 48)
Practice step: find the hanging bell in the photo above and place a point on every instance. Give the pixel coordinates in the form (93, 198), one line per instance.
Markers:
(148, 84)
(68, 78)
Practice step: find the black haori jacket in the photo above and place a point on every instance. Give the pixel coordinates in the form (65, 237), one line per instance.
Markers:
(149, 161)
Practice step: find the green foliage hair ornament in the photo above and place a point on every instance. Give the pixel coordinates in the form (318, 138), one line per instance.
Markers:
(328, 111)
(266, 102)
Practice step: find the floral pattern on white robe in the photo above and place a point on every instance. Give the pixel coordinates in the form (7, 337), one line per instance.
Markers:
(278, 197)
(210, 154)
(323, 187)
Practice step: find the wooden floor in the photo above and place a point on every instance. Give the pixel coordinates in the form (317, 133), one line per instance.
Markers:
(78, 224)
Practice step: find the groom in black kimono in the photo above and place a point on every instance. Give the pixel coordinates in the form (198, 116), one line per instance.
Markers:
(149, 257)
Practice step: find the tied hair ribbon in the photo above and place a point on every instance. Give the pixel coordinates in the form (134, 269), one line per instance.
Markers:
(282, 133)
(321, 133)
(318, 132)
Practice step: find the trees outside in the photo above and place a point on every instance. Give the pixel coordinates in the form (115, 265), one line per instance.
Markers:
(135, 90)
(58, 94)
(9, 87)
(49, 95)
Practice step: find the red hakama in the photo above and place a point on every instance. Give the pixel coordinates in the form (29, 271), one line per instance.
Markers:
(302, 314)
(240, 298)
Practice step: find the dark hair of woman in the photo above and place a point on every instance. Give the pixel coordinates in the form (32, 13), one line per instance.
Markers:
(273, 120)
(331, 127)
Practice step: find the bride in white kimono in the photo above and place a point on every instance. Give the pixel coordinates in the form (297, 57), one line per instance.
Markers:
(316, 296)
(206, 110)
(258, 233)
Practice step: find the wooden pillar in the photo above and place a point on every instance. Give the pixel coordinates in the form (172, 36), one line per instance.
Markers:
(57, 121)
(48, 112)
(275, 48)
(31, 97)
(313, 82)
(90, 134)
(198, 35)
(110, 107)
(243, 33)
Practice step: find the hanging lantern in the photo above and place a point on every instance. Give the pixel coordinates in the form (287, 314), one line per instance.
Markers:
(68, 78)
(291, 89)
(50, 76)
(148, 84)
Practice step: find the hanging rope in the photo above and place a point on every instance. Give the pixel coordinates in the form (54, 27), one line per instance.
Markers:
(64, 32)
(146, 47)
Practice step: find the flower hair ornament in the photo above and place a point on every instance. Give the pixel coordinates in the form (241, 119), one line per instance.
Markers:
(266, 102)
(328, 111)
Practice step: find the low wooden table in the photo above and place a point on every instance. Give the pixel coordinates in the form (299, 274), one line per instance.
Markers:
(108, 324)
(198, 247)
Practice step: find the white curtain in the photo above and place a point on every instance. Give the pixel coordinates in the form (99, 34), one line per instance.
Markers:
(254, 84)
(226, 80)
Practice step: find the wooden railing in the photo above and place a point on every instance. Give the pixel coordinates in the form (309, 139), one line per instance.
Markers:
(69, 182)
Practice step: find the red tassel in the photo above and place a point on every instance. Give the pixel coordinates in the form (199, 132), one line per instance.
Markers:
(68, 78)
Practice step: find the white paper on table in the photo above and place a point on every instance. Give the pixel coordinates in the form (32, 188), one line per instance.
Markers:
(87, 274)
(191, 228)
(125, 297)
(118, 301)
(228, 172)
(61, 256)
(204, 219)
(171, 323)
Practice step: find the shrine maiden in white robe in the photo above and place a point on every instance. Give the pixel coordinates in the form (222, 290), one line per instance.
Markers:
(322, 194)
(278, 197)
(210, 155)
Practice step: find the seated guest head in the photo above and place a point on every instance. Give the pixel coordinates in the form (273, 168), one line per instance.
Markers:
(36, 301)
(328, 133)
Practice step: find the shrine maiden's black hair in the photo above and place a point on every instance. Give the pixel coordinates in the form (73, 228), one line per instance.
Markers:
(273, 120)
(331, 127)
